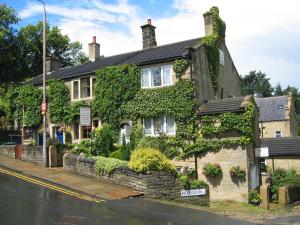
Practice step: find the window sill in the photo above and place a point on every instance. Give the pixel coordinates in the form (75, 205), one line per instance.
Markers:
(157, 86)
(153, 135)
(82, 99)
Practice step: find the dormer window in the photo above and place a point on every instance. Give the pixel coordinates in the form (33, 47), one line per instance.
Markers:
(280, 106)
(156, 76)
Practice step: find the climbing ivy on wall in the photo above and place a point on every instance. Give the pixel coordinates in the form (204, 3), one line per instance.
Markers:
(115, 86)
(210, 134)
(180, 66)
(212, 44)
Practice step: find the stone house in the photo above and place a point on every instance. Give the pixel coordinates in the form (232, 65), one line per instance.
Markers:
(156, 63)
(277, 116)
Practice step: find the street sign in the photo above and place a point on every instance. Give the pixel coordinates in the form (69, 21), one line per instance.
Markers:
(193, 192)
(44, 107)
(262, 152)
(85, 116)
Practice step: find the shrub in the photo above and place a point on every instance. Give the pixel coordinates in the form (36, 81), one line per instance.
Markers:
(194, 184)
(83, 147)
(254, 197)
(115, 154)
(212, 170)
(149, 159)
(107, 165)
(125, 151)
(236, 171)
(189, 180)
(103, 141)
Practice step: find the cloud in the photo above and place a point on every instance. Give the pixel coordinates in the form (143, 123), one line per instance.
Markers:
(260, 34)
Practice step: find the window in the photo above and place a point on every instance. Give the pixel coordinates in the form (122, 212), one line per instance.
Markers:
(93, 86)
(222, 59)
(159, 125)
(86, 132)
(263, 165)
(76, 130)
(75, 90)
(280, 106)
(156, 76)
(85, 87)
(278, 134)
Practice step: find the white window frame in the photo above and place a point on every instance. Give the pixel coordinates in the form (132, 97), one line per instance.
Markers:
(150, 76)
(79, 89)
(278, 134)
(153, 133)
(222, 57)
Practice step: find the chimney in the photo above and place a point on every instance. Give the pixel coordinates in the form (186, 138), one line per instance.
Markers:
(208, 23)
(52, 64)
(94, 50)
(149, 39)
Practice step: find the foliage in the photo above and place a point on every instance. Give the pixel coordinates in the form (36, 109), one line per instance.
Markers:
(256, 83)
(107, 165)
(212, 45)
(189, 180)
(125, 151)
(83, 147)
(103, 141)
(212, 169)
(115, 154)
(237, 171)
(115, 86)
(149, 159)
(281, 177)
(254, 197)
(59, 101)
(73, 112)
(136, 135)
(180, 66)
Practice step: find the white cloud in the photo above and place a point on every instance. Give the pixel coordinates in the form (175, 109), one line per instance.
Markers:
(248, 22)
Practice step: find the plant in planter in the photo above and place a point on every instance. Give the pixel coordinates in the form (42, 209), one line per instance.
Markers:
(254, 197)
(212, 170)
(237, 172)
(189, 181)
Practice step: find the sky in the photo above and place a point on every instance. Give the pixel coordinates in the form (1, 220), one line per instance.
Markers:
(260, 35)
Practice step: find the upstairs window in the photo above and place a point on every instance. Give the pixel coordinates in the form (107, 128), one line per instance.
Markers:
(278, 134)
(280, 106)
(85, 87)
(222, 59)
(75, 90)
(159, 125)
(156, 76)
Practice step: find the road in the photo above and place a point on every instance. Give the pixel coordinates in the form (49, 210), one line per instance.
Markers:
(23, 203)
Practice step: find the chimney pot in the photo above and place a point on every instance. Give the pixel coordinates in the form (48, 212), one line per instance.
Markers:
(94, 39)
(149, 21)
(148, 33)
(94, 50)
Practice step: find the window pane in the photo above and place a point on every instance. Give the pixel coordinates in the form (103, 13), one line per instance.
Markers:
(158, 125)
(85, 87)
(170, 125)
(93, 85)
(145, 78)
(156, 76)
(167, 75)
(147, 126)
(75, 89)
(222, 60)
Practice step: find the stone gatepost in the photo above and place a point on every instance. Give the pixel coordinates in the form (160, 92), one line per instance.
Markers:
(52, 156)
(265, 196)
(282, 196)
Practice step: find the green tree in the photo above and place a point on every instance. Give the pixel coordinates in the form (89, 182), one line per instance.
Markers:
(10, 61)
(59, 46)
(278, 90)
(256, 83)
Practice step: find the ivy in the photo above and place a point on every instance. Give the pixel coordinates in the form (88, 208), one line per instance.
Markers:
(212, 45)
(115, 86)
(59, 101)
(180, 66)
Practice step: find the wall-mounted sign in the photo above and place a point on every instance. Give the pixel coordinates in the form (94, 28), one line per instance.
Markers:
(85, 116)
(262, 152)
(193, 192)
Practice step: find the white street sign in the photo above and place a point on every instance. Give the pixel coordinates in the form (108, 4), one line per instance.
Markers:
(193, 192)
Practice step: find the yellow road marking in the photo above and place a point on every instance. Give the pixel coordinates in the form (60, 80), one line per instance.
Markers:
(50, 186)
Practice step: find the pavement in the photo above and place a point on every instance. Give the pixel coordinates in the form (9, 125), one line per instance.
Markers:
(98, 189)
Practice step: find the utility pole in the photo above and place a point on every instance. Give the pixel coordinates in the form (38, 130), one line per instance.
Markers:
(44, 105)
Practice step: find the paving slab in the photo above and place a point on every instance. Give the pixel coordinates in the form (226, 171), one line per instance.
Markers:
(89, 186)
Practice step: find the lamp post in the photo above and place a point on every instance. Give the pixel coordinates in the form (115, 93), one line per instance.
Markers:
(44, 88)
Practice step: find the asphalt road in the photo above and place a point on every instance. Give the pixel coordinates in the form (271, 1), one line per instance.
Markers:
(23, 203)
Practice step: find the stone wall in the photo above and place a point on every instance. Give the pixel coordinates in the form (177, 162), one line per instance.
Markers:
(8, 150)
(156, 185)
(32, 154)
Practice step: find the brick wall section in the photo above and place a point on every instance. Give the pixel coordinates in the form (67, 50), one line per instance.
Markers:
(8, 150)
(156, 185)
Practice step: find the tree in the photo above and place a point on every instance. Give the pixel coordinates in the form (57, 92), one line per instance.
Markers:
(10, 61)
(58, 46)
(256, 83)
(278, 90)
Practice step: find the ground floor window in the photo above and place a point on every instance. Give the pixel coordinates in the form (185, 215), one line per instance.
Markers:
(159, 125)
(86, 132)
(76, 130)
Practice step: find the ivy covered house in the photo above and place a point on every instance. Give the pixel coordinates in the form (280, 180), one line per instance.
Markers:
(198, 69)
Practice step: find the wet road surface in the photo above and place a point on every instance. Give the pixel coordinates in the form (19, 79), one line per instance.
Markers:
(23, 203)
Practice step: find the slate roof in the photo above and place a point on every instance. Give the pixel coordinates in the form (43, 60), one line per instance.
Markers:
(284, 146)
(237, 104)
(269, 110)
(143, 57)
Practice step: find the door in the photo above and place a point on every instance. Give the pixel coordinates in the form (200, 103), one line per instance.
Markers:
(60, 136)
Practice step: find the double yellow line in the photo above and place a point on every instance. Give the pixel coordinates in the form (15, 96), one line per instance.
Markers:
(50, 186)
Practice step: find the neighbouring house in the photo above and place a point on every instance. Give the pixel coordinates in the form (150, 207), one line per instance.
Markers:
(277, 117)
(230, 152)
(156, 63)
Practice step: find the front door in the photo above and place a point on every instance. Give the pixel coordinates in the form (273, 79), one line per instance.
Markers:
(60, 136)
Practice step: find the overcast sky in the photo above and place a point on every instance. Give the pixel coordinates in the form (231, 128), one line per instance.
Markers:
(261, 35)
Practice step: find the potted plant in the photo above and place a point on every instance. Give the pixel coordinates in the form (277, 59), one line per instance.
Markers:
(237, 172)
(212, 170)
